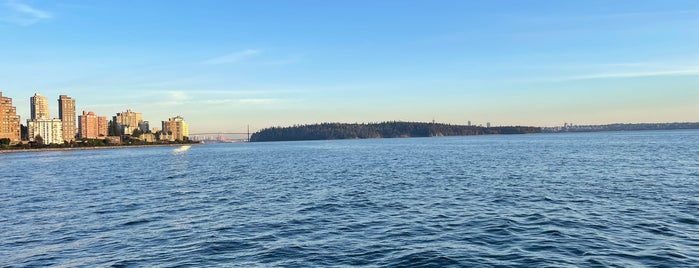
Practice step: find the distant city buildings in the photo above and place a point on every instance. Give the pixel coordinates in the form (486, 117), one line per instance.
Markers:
(66, 112)
(128, 121)
(68, 127)
(175, 129)
(9, 120)
(92, 126)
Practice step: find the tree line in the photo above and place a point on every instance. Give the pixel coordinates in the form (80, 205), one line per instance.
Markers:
(336, 131)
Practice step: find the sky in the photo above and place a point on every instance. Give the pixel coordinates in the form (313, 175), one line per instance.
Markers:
(223, 65)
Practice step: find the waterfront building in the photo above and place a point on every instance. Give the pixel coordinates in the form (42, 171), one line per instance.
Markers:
(92, 126)
(128, 121)
(148, 137)
(66, 112)
(175, 128)
(114, 140)
(50, 130)
(39, 106)
(9, 120)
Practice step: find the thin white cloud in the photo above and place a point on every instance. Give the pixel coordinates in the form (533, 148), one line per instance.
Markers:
(178, 95)
(233, 57)
(23, 14)
(252, 101)
(682, 72)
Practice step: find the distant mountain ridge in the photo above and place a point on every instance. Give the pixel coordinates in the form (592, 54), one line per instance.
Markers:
(338, 131)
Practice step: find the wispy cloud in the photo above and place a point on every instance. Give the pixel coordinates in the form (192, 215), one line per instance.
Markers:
(680, 72)
(23, 14)
(233, 57)
(251, 101)
(178, 95)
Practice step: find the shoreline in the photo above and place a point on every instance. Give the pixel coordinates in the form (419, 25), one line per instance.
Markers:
(8, 151)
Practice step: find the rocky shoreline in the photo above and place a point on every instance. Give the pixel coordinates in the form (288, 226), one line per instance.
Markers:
(90, 148)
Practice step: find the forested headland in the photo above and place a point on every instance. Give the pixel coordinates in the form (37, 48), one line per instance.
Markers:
(337, 131)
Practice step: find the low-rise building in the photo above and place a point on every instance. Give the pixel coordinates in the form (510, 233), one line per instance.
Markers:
(50, 130)
(114, 140)
(147, 137)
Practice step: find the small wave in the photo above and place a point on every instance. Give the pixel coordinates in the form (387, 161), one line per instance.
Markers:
(556, 233)
(218, 247)
(330, 207)
(688, 221)
(424, 259)
(137, 222)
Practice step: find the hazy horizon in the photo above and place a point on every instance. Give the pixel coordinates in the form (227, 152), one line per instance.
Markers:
(224, 65)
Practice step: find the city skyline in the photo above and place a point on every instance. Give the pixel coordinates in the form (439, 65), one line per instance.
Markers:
(225, 65)
(67, 128)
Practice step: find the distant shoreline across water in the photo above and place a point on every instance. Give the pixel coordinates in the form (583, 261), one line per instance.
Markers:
(338, 131)
(622, 127)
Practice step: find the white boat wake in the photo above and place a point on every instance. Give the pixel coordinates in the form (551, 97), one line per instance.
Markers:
(182, 149)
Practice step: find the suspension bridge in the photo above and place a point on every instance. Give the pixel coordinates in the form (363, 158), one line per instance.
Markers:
(221, 136)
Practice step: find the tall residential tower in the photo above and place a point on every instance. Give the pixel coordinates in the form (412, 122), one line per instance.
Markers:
(39, 106)
(92, 126)
(66, 112)
(41, 127)
(176, 128)
(9, 120)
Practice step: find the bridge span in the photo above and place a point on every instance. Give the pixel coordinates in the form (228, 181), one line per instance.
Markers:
(220, 136)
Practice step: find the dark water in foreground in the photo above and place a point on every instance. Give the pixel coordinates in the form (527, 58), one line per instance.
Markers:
(592, 199)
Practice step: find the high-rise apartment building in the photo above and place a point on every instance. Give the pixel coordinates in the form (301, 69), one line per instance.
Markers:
(50, 130)
(92, 126)
(102, 126)
(39, 106)
(128, 121)
(9, 120)
(176, 128)
(66, 112)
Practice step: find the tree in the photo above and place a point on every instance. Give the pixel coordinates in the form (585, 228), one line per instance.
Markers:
(137, 133)
(4, 143)
(113, 128)
(39, 140)
(24, 130)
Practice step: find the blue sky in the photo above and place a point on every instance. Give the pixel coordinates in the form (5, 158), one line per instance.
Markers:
(225, 64)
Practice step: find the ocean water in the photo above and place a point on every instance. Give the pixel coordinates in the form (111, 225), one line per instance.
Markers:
(615, 199)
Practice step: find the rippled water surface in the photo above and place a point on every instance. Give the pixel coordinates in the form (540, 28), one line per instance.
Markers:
(592, 199)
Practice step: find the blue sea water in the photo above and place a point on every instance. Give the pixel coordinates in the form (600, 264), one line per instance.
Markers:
(615, 199)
